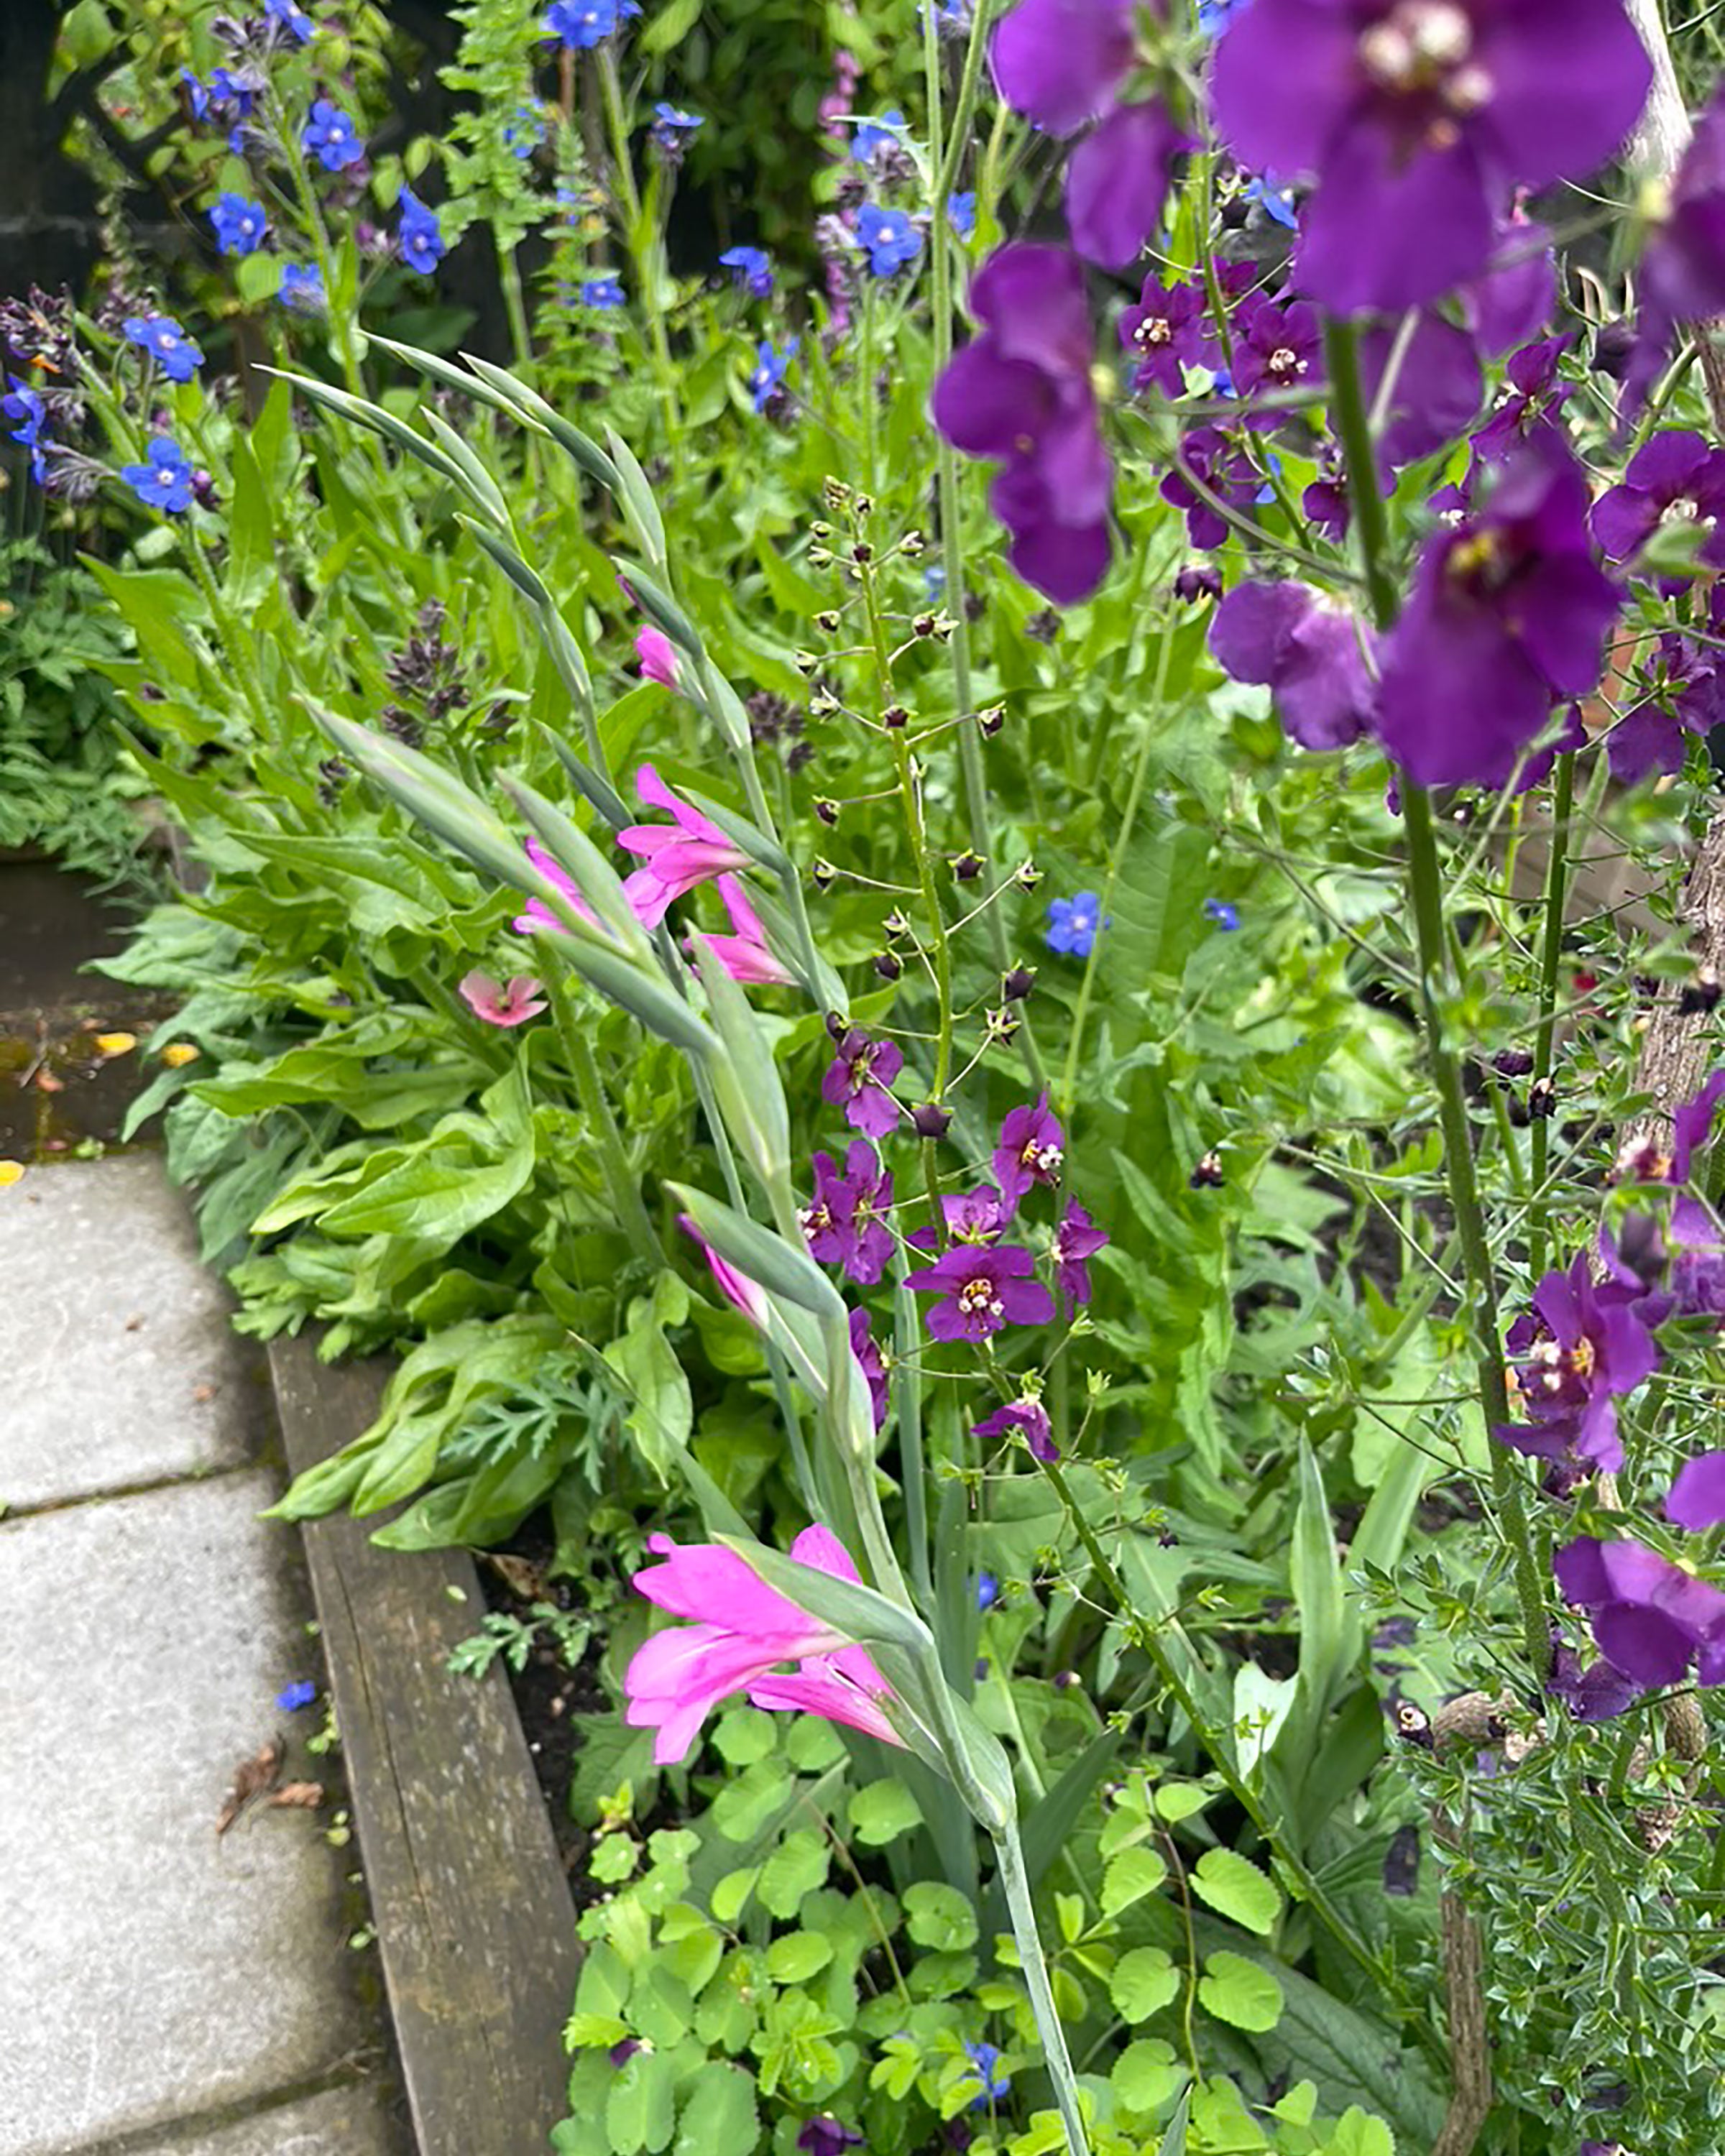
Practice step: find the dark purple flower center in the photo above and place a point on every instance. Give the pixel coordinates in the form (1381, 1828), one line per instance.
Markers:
(1041, 1159)
(1285, 363)
(1154, 329)
(977, 1298)
(1483, 564)
(1554, 1374)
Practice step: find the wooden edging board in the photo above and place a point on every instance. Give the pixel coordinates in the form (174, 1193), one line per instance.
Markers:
(471, 1904)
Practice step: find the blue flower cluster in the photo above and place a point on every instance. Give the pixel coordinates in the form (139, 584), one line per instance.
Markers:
(332, 136)
(767, 378)
(420, 240)
(1074, 923)
(167, 343)
(579, 25)
(24, 405)
(241, 227)
(165, 481)
(752, 268)
(888, 238)
(603, 292)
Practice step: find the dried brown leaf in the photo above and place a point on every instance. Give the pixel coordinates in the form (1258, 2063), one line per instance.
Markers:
(518, 1575)
(306, 1796)
(251, 1778)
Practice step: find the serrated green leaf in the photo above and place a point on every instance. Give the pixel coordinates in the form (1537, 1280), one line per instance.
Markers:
(1143, 1982)
(641, 2108)
(882, 1812)
(796, 1868)
(1239, 1992)
(1146, 2074)
(1357, 2133)
(719, 2117)
(1236, 1888)
(1129, 1877)
(939, 1917)
(798, 1956)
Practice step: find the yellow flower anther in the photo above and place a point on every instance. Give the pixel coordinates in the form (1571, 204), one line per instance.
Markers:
(116, 1044)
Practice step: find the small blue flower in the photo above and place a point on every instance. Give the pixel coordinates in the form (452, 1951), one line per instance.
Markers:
(241, 226)
(752, 268)
(961, 213)
(675, 122)
(523, 135)
(168, 344)
(603, 292)
(985, 2059)
(166, 481)
(1276, 201)
(27, 408)
(769, 372)
(419, 241)
(291, 16)
(1225, 916)
(934, 582)
(873, 137)
(196, 94)
(987, 1590)
(234, 89)
(302, 288)
(1074, 923)
(332, 135)
(292, 1697)
(580, 24)
(888, 238)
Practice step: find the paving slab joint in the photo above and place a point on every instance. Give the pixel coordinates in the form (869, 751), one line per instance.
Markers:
(187, 2132)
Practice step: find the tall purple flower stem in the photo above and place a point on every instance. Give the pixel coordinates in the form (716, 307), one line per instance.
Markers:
(1353, 427)
(1557, 874)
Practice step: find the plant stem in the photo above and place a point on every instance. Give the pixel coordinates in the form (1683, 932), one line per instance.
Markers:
(1022, 1910)
(944, 152)
(620, 1184)
(643, 250)
(1551, 958)
(1426, 889)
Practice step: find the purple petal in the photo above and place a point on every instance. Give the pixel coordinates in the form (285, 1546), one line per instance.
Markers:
(1283, 76)
(986, 405)
(1116, 181)
(1059, 62)
(1696, 1499)
(1643, 1643)
(1353, 263)
(1568, 77)
(1252, 625)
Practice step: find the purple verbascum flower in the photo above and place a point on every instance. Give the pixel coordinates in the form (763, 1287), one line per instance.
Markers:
(1528, 405)
(1676, 477)
(1059, 62)
(846, 1220)
(873, 1365)
(1031, 1148)
(982, 1289)
(825, 2137)
(1681, 278)
(1517, 296)
(1276, 347)
(1028, 1416)
(1679, 693)
(692, 850)
(978, 1216)
(1596, 1693)
(1696, 1498)
(1216, 463)
(1118, 181)
(857, 1079)
(1509, 610)
(1585, 1347)
(1435, 393)
(1308, 649)
(1076, 1241)
(1651, 1619)
(1021, 392)
(1169, 327)
(1417, 119)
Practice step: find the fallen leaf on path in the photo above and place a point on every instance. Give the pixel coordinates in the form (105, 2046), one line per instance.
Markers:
(518, 1575)
(202, 1393)
(305, 1795)
(251, 1778)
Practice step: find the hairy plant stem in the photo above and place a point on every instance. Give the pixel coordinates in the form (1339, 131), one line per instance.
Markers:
(228, 629)
(621, 1186)
(1426, 889)
(945, 149)
(1021, 1908)
(1557, 873)
(910, 796)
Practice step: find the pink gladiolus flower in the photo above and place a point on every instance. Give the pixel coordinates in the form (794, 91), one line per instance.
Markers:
(738, 1288)
(513, 1005)
(681, 854)
(746, 956)
(538, 914)
(739, 1629)
(657, 656)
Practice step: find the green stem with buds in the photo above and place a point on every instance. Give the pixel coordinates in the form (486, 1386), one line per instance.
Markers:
(1426, 889)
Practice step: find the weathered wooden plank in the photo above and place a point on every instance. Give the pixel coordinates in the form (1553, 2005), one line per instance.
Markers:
(472, 1907)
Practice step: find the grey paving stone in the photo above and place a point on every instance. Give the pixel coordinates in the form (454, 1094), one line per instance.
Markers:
(344, 2122)
(121, 1367)
(151, 1972)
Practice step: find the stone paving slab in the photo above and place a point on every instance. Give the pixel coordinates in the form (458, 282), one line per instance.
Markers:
(121, 1365)
(150, 1972)
(344, 2122)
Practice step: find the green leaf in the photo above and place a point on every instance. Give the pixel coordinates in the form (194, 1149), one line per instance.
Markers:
(1237, 1889)
(661, 1413)
(1129, 1877)
(939, 1917)
(1144, 1981)
(795, 1869)
(1146, 2074)
(1239, 1992)
(731, 1896)
(640, 2109)
(882, 1812)
(758, 1254)
(798, 1956)
(743, 1734)
(719, 2117)
(670, 27)
(614, 1857)
(1357, 2133)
